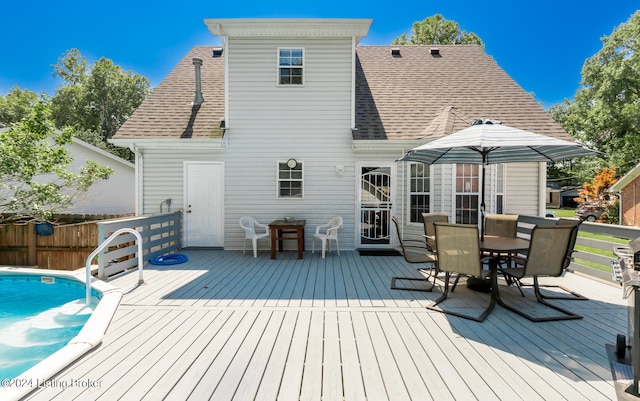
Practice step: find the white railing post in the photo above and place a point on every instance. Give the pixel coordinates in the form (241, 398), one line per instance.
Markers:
(104, 245)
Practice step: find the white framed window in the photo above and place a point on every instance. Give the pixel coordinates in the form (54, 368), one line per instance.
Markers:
(467, 193)
(290, 66)
(290, 179)
(500, 209)
(419, 191)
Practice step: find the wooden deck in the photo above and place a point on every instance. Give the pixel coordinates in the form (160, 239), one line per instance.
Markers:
(230, 327)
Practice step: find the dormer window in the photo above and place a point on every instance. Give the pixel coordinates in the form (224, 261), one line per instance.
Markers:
(290, 66)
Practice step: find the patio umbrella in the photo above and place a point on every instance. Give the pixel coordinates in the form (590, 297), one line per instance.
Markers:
(489, 142)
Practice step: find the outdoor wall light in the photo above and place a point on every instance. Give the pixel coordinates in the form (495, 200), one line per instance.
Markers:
(340, 169)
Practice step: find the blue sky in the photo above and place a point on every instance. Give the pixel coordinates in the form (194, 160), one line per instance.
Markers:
(541, 44)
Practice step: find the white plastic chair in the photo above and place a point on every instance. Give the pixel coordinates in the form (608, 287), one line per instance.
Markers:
(326, 233)
(253, 231)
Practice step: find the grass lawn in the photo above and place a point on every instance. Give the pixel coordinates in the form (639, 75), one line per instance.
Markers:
(564, 212)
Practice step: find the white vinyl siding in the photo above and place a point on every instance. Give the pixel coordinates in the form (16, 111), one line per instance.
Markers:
(521, 189)
(267, 124)
(113, 196)
(257, 102)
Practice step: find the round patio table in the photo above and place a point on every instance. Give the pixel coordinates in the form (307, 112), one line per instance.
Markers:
(497, 245)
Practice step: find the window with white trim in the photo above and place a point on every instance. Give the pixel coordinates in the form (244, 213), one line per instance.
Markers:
(290, 180)
(290, 66)
(419, 191)
(467, 192)
(500, 188)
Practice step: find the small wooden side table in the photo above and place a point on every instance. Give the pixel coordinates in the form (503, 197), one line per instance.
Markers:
(279, 227)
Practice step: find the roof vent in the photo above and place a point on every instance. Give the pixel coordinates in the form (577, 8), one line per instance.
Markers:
(395, 52)
(485, 120)
(434, 51)
(198, 99)
(217, 52)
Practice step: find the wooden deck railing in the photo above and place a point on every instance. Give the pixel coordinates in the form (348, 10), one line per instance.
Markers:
(626, 233)
(160, 233)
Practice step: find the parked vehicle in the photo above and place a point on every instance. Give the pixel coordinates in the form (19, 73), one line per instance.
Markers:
(589, 212)
(551, 213)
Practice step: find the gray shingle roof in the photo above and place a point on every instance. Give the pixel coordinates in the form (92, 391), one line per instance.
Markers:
(413, 96)
(419, 95)
(168, 112)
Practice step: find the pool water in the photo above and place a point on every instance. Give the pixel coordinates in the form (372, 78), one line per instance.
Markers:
(38, 316)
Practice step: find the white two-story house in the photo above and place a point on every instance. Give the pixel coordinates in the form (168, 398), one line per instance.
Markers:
(291, 117)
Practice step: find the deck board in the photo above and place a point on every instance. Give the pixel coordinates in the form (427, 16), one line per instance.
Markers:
(229, 326)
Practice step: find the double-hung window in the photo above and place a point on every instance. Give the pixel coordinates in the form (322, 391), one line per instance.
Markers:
(467, 191)
(290, 180)
(500, 188)
(419, 187)
(290, 66)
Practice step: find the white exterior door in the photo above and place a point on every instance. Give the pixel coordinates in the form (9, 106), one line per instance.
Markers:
(204, 201)
(375, 197)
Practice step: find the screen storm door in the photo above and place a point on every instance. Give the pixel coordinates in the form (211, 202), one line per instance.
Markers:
(375, 204)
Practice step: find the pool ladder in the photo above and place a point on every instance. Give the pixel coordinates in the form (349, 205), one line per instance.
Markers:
(104, 245)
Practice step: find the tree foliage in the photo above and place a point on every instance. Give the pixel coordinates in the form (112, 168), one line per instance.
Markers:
(605, 112)
(437, 30)
(35, 180)
(98, 98)
(17, 105)
(597, 193)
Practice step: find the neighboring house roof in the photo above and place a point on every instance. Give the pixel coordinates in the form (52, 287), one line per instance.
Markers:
(410, 96)
(168, 112)
(419, 95)
(553, 186)
(570, 192)
(625, 180)
(113, 196)
(108, 155)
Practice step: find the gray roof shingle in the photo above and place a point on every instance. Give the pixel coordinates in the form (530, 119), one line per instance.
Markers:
(411, 96)
(168, 111)
(418, 95)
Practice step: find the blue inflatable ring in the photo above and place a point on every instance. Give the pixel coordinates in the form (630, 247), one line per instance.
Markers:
(172, 259)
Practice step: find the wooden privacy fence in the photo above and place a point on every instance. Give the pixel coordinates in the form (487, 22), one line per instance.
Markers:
(66, 249)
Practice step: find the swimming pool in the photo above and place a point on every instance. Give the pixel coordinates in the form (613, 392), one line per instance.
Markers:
(45, 324)
(39, 314)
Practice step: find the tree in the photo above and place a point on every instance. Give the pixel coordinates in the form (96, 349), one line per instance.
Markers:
(96, 99)
(605, 112)
(576, 171)
(35, 181)
(112, 96)
(437, 30)
(68, 105)
(16, 106)
(596, 193)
